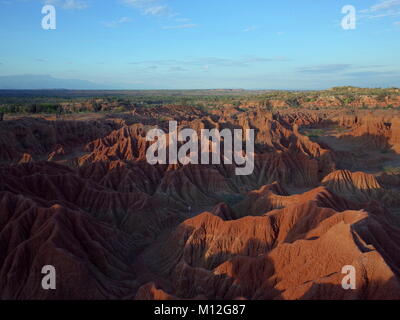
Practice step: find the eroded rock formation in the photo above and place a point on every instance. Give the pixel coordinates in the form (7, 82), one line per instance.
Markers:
(80, 195)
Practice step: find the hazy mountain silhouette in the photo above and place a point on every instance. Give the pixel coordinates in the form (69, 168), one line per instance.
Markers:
(48, 82)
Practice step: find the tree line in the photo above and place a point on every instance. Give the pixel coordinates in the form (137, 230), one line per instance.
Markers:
(32, 108)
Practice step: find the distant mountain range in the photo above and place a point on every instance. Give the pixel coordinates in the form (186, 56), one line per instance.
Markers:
(33, 82)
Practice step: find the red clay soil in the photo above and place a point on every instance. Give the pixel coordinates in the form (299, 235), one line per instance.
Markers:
(79, 195)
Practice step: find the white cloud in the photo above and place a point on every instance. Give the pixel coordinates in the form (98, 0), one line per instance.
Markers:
(176, 69)
(182, 26)
(74, 5)
(69, 4)
(384, 5)
(183, 20)
(251, 28)
(116, 23)
(325, 68)
(382, 9)
(208, 62)
(149, 7)
(124, 19)
(155, 10)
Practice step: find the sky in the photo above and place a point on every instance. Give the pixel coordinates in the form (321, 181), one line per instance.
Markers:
(201, 44)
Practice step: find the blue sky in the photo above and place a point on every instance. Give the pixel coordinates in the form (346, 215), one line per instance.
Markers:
(186, 44)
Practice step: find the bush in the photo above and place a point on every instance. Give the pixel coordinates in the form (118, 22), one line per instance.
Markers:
(119, 110)
(392, 170)
(232, 199)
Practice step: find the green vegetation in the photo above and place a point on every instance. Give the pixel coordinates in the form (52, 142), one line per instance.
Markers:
(314, 133)
(50, 101)
(232, 199)
(392, 170)
(119, 109)
(349, 100)
(31, 108)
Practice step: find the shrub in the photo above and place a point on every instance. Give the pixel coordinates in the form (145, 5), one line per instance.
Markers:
(232, 199)
(392, 170)
(118, 110)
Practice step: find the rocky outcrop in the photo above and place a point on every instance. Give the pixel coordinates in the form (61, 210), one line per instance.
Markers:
(291, 253)
(80, 195)
(91, 259)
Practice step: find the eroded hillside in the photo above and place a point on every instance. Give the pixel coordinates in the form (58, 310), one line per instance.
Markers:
(79, 194)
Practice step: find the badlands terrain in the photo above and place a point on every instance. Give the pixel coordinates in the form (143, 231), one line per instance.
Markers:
(77, 193)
